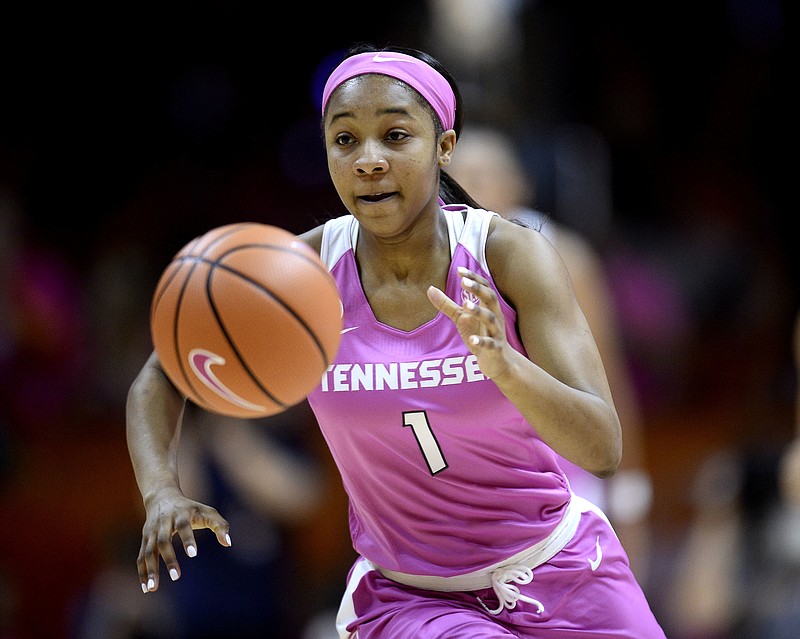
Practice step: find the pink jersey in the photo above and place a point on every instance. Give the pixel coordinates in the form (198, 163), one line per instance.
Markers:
(443, 473)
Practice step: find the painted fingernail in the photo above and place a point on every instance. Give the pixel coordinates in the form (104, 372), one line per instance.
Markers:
(144, 588)
(462, 270)
(191, 551)
(151, 583)
(467, 282)
(173, 574)
(228, 539)
(474, 340)
(469, 305)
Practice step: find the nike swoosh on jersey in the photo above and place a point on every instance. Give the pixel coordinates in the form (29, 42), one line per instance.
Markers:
(595, 563)
(348, 329)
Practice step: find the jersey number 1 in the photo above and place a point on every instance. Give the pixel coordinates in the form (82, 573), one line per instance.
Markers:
(418, 421)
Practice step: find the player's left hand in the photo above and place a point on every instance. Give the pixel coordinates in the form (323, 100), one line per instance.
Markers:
(479, 321)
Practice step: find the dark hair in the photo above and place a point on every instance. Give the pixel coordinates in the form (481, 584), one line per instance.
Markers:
(450, 190)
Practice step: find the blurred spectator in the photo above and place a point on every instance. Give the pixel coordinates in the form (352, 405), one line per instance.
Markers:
(42, 328)
(705, 596)
(735, 573)
(43, 364)
(790, 463)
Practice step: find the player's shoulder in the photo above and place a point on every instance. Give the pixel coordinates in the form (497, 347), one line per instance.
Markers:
(521, 258)
(315, 236)
(509, 240)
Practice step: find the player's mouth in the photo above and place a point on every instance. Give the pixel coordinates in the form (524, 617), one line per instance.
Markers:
(376, 197)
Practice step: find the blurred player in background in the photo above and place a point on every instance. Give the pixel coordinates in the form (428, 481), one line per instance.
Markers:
(489, 166)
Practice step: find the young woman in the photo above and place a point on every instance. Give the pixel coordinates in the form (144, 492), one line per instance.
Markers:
(465, 366)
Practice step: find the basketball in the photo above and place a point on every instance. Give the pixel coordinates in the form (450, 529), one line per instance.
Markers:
(245, 319)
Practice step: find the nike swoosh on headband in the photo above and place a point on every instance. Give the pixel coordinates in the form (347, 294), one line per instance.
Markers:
(378, 57)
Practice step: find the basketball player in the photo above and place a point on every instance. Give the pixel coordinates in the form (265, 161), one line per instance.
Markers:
(466, 366)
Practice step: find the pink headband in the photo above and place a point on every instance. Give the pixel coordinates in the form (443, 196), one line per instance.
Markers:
(418, 74)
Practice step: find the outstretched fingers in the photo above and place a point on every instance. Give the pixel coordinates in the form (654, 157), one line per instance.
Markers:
(480, 304)
(157, 541)
(480, 322)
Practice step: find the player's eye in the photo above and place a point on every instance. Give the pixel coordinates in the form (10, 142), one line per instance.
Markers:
(396, 135)
(343, 139)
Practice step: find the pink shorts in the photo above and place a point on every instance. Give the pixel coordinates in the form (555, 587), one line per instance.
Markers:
(586, 590)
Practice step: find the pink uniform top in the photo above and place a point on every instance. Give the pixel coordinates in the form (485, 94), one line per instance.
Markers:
(443, 473)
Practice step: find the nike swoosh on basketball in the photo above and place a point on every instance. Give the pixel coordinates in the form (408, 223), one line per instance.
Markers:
(348, 329)
(201, 362)
(595, 563)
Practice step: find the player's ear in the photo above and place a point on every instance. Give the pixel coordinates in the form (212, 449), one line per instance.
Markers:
(447, 143)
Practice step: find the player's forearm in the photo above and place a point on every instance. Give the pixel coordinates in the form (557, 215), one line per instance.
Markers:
(578, 425)
(153, 413)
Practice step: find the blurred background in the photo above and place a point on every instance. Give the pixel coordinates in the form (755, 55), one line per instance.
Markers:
(657, 131)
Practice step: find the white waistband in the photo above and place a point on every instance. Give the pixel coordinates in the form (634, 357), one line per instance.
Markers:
(531, 557)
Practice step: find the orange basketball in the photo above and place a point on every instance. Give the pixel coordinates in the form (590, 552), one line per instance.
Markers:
(245, 320)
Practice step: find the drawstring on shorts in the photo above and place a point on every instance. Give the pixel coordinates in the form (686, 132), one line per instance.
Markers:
(503, 580)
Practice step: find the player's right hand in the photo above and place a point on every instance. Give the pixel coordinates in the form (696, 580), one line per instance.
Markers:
(170, 512)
